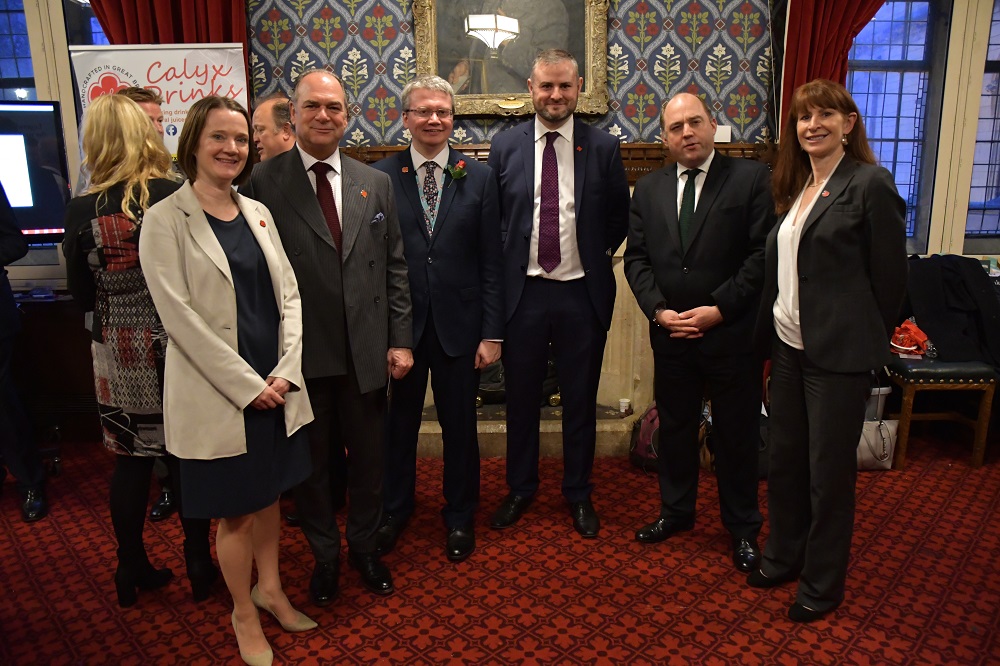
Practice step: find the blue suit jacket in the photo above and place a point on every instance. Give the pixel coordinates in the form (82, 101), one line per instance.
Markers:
(456, 273)
(601, 198)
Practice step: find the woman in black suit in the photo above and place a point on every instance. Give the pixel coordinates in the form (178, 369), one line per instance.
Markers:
(835, 275)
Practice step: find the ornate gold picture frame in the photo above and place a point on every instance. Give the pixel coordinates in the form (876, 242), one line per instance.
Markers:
(580, 26)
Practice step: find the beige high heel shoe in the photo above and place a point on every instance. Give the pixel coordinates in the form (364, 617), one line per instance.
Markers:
(302, 622)
(265, 658)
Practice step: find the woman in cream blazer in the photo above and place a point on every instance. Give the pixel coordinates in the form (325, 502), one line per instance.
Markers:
(234, 399)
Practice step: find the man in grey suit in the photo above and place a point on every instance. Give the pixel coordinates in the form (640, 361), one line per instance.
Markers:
(337, 221)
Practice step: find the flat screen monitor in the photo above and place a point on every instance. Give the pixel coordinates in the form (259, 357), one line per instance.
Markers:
(35, 177)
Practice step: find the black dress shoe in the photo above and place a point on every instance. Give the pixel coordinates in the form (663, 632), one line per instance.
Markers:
(662, 529)
(388, 533)
(35, 506)
(509, 511)
(585, 520)
(461, 543)
(746, 554)
(374, 574)
(325, 583)
(163, 507)
(758, 579)
(799, 613)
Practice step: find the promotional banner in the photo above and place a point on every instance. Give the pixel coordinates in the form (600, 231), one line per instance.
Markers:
(181, 73)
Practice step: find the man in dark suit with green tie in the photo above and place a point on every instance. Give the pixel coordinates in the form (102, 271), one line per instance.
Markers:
(695, 262)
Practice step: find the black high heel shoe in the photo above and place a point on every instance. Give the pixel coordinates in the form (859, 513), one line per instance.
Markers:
(202, 574)
(128, 582)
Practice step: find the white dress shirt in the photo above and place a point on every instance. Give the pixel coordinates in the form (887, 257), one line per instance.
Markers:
(441, 159)
(570, 267)
(699, 181)
(333, 176)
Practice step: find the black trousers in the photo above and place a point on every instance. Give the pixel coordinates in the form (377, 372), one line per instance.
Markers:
(454, 381)
(344, 418)
(815, 426)
(559, 313)
(17, 441)
(733, 384)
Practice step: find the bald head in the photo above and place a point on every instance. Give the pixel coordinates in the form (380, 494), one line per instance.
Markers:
(272, 128)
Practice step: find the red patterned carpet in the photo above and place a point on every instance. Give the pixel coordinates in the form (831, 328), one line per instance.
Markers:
(923, 587)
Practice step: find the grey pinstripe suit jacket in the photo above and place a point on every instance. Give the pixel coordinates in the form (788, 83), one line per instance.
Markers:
(361, 304)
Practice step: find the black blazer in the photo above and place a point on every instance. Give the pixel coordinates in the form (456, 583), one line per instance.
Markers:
(600, 195)
(13, 246)
(724, 262)
(456, 273)
(852, 271)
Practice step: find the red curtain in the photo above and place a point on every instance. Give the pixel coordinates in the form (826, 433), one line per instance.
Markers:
(819, 35)
(172, 21)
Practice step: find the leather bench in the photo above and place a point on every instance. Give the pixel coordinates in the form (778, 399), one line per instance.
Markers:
(924, 374)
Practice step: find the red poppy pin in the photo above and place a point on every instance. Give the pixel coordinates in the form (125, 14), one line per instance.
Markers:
(826, 193)
(456, 170)
(579, 149)
(406, 169)
(263, 223)
(364, 193)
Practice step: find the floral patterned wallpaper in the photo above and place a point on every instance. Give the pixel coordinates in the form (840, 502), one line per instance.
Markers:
(718, 49)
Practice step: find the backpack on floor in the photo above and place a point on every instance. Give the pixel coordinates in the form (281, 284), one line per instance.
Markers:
(642, 450)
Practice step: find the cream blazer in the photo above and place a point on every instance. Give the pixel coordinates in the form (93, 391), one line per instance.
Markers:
(207, 384)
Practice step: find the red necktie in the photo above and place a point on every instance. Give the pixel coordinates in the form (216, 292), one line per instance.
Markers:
(326, 201)
(548, 214)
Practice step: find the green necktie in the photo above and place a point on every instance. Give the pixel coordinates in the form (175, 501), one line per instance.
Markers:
(686, 217)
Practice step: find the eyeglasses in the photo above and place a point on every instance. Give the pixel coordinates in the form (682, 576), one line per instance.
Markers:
(443, 114)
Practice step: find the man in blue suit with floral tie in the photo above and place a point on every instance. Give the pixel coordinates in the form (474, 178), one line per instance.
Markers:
(449, 217)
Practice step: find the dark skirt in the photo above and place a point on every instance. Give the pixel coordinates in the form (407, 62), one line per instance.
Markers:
(247, 483)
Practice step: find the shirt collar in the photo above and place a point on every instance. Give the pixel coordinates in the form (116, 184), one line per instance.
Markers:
(308, 160)
(565, 130)
(441, 159)
(703, 167)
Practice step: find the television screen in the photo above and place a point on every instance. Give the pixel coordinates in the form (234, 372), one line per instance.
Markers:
(33, 170)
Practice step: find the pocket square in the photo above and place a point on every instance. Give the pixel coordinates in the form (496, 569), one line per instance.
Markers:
(377, 219)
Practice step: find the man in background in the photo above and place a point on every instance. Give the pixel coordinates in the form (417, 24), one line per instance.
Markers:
(272, 127)
(17, 445)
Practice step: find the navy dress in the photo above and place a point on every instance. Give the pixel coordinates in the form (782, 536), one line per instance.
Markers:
(273, 463)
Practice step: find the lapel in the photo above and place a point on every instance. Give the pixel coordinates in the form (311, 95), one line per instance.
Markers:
(715, 180)
(449, 189)
(293, 182)
(581, 143)
(257, 220)
(835, 185)
(202, 234)
(408, 186)
(669, 204)
(527, 146)
(353, 208)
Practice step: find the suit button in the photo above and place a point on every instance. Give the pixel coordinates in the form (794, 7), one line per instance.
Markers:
(686, 270)
(804, 278)
(377, 299)
(371, 264)
(524, 268)
(526, 238)
(430, 260)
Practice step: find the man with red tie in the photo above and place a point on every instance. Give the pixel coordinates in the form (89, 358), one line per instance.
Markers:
(337, 222)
